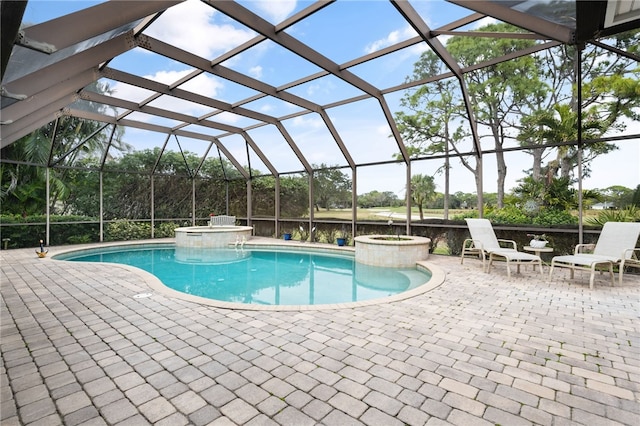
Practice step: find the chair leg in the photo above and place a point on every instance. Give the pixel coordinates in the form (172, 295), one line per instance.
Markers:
(611, 274)
(509, 268)
(621, 272)
(592, 277)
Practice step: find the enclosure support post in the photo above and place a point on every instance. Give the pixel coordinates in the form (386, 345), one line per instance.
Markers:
(48, 190)
(579, 113)
(193, 202)
(153, 204)
(249, 202)
(101, 232)
(277, 206)
(354, 202)
(312, 196)
(408, 192)
(480, 186)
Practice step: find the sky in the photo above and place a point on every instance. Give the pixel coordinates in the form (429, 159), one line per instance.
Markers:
(342, 31)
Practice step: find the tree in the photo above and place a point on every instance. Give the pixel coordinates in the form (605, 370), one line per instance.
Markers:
(497, 92)
(618, 195)
(534, 195)
(500, 92)
(561, 125)
(611, 93)
(62, 143)
(635, 199)
(331, 187)
(378, 199)
(423, 189)
(436, 123)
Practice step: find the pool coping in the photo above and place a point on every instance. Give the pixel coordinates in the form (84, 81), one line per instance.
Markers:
(155, 284)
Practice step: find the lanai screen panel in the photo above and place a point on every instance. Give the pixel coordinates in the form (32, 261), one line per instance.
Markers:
(208, 34)
(274, 106)
(363, 124)
(326, 90)
(392, 69)
(276, 148)
(259, 62)
(121, 90)
(336, 22)
(323, 61)
(315, 141)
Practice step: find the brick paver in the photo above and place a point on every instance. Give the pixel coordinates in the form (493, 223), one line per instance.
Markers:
(78, 348)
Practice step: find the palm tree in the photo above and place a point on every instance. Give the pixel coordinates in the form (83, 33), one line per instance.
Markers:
(24, 180)
(423, 189)
(561, 125)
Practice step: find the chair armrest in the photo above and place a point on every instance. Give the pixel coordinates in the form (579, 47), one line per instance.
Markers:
(582, 248)
(475, 244)
(631, 255)
(513, 243)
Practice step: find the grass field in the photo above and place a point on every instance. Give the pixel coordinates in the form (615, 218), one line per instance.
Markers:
(399, 213)
(382, 213)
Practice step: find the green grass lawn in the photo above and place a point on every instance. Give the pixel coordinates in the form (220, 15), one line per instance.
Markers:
(381, 213)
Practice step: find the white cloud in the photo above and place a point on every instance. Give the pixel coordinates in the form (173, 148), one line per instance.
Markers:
(277, 10)
(256, 71)
(227, 117)
(201, 36)
(313, 89)
(204, 84)
(383, 130)
(392, 38)
(308, 121)
(168, 77)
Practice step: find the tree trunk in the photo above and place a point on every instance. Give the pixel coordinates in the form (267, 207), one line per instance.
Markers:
(566, 165)
(536, 168)
(500, 163)
(502, 174)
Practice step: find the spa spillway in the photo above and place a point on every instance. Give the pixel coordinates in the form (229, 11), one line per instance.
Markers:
(212, 236)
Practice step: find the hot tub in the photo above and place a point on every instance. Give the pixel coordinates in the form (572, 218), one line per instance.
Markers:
(391, 251)
(212, 236)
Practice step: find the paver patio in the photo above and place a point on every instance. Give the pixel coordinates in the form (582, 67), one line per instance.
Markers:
(78, 348)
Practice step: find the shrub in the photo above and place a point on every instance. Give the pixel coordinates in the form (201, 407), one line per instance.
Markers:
(27, 231)
(630, 214)
(508, 215)
(550, 217)
(165, 230)
(124, 230)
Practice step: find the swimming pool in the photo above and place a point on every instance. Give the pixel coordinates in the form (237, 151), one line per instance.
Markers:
(261, 276)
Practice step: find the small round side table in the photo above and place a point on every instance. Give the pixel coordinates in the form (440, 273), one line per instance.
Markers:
(537, 251)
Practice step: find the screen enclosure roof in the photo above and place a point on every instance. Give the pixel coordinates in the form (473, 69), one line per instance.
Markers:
(200, 83)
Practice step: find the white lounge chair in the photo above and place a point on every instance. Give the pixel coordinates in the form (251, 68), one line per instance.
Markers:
(484, 242)
(615, 246)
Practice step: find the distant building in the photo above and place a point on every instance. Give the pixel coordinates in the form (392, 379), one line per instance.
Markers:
(603, 206)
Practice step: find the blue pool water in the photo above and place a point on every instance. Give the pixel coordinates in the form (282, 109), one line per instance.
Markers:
(261, 276)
